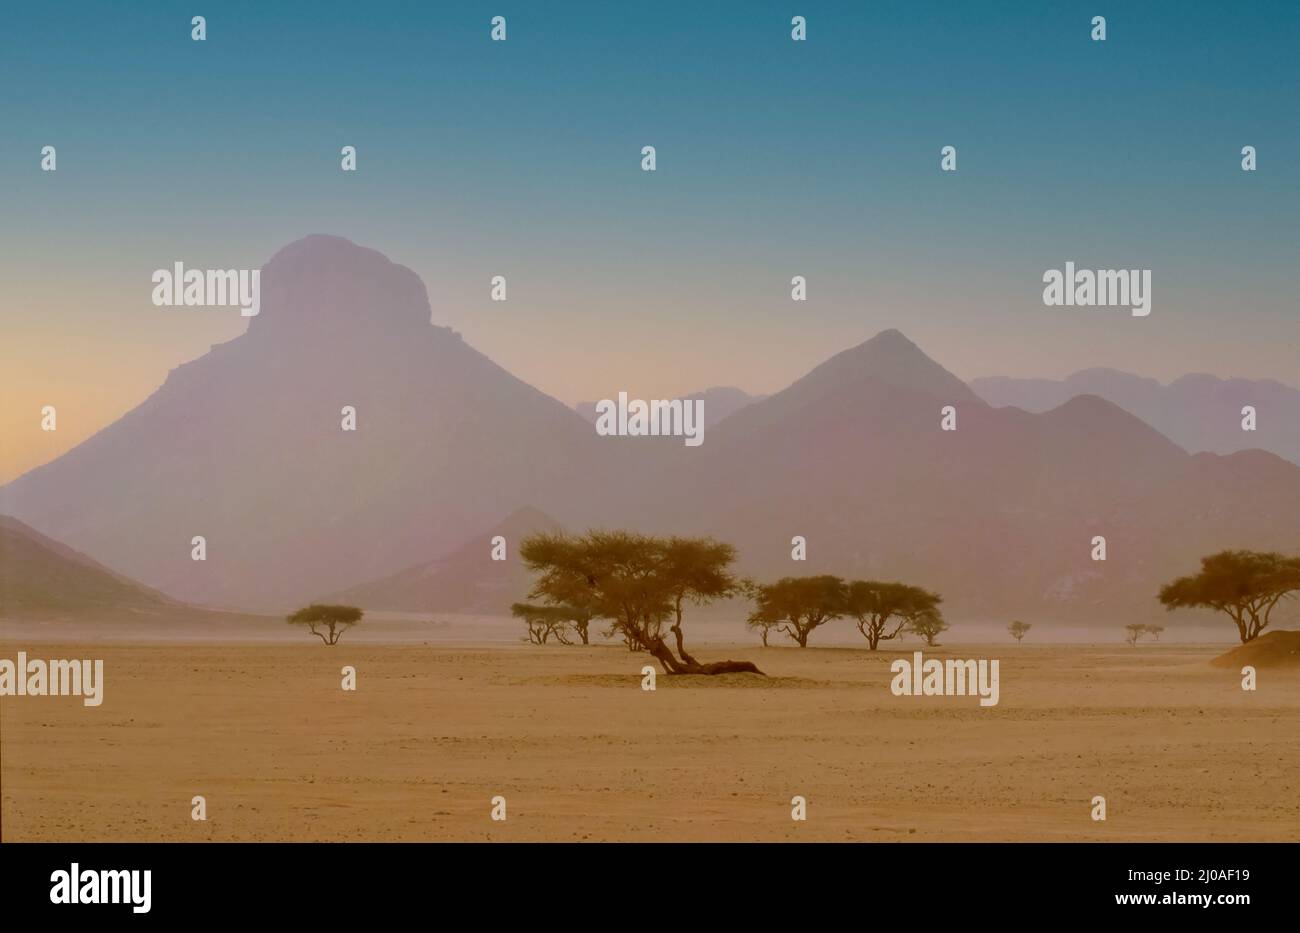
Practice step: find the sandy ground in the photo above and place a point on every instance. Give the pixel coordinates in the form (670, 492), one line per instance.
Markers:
(580, 751)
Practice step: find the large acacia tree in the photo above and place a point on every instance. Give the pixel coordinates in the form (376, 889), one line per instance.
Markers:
(795, 606)
(639, 583)
(1245, 585)
(883, 610)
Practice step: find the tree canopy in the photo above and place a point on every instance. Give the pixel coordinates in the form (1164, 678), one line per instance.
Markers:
(875, 605)
(929, 624)
(1245, 585)
(545, 622)
(334, 619)
(636, 581)
(796, 606)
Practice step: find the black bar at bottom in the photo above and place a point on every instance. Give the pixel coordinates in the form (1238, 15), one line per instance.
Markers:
(616, 882)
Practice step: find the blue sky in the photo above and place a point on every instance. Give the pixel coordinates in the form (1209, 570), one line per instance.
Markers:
(775, 158)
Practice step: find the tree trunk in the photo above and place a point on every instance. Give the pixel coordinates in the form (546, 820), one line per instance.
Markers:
(671, 665)
(681, 647)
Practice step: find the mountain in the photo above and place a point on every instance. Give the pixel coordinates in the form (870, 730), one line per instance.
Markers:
(1198, 412)
(40, 576)
(998, 515)
(244, 446)
(719, 403)
(465, 580)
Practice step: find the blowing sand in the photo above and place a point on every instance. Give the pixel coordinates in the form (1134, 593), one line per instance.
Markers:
(579, 751)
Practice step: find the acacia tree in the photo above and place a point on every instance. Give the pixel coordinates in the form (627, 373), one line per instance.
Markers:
(762, 624)
(874, 605)
(928, 624)
(1246, 585)
(1019, 630)
(795, 606)
(1134, 632)
(555, 621)
(636, 581)
(545, 622)
(697, 571)
(1154, 631)
(334, 619)
(580, 619)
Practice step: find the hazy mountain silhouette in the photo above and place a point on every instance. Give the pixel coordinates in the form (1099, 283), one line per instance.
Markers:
(1198, 412)
(998, 515)
(244, 447)
(465, 580)
(719, 403)
(39, 576)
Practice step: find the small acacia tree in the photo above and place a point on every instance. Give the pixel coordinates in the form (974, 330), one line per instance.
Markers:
(762, 624)
(1019, 630)
(795, 606)
(1154, 631)
(545, 622)
(883, 610)
(335, 620)
(1245, 585)
(929, 625)
(1133, 633)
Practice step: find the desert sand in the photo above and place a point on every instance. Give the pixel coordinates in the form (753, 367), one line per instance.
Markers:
(580, 752)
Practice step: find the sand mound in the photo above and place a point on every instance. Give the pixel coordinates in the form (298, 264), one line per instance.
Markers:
(1273, 649)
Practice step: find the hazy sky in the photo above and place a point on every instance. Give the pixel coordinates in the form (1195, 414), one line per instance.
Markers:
(775, 159)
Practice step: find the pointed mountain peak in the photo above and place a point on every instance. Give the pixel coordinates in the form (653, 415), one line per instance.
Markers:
(891, 358)
(525, 521)
(891, 340)
(321, 286)
(1095, 417)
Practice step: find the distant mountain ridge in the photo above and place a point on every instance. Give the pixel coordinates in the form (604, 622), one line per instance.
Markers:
(244, 447)
(39, 575)
(998, 515)
(719, 402)
(466, 580)
(1197, 411)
